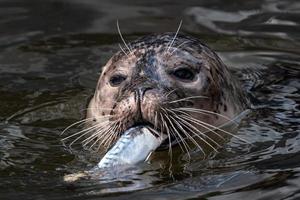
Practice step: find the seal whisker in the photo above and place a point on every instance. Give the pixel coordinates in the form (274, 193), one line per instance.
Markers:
(179, 46)
(99, 133)
(170, 45)
(164, 124)
(186, 99)
(172, 134)
(187, 134)
(191, 119)
(193, 129)
(202, 111)
(82, 131)
(170, 92)
(82, 122)
(114, 136)
(175, 131)
(222, 130)
(185, 145)
(155, 120)
(85, 132)
(76, 123)
(92, 109)
(104, 136)
(149, 84)
(108, 140)
(119, 31)
(111, 135)
(102, 108)
(122, 49)
(95, 135)
(108, 133)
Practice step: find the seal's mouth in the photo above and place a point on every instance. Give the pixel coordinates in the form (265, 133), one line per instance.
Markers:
(142, 124)
(156, 132)
(147, 124)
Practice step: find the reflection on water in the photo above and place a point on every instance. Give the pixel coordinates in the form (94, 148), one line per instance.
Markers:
(51, 53)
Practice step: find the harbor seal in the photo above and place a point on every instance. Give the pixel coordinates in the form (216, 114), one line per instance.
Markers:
(170, 82)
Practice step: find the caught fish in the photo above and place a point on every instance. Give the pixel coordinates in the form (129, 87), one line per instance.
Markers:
(134, 146)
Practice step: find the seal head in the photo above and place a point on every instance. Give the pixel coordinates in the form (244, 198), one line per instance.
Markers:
(176, 85)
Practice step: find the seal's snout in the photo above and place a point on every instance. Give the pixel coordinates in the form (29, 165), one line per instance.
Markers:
(143, 90)
(149, 103)
(138, 107)
(139, 97)
(140, 93)
(179, 91)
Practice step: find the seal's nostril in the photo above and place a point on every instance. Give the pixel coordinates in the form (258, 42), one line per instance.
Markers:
(138, 95)
(142, 91)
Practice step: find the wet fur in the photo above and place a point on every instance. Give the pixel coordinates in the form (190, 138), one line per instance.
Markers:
(150, 95)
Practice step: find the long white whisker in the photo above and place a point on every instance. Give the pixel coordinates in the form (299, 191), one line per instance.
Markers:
(202, 111)
(169, 137)
(97, 108)
(189, 126)
(119, 31)
(103, 135)
(78, 122)
(191, 120)
(95, 135)
(174, 36)
(186, 146)
(187, 115)
(222, 130)
(108, 139)
(179, 46)
(100, 133)
(164, 125)
(170, 92)
(155, 120)
(192, 128)
(84, 130)
(184, 99)
(114, 135)
(81, 122)
(123, 50)
(188, 135)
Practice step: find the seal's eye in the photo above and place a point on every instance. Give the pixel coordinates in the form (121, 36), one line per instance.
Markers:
(116, 80)
(184, 74)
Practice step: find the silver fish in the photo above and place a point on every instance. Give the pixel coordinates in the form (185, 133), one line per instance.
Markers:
(134, 146)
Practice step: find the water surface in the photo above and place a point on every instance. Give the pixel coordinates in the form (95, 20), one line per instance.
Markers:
(51, 53)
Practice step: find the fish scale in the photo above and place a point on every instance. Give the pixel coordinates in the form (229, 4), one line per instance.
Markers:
(134, 146)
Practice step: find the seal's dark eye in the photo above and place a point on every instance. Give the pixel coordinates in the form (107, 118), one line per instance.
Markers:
(116, 80)
(184, 74)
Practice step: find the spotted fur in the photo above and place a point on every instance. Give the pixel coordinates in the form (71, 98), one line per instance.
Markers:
(148, 67)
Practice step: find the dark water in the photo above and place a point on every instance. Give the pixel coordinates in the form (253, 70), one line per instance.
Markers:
(50, 58)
